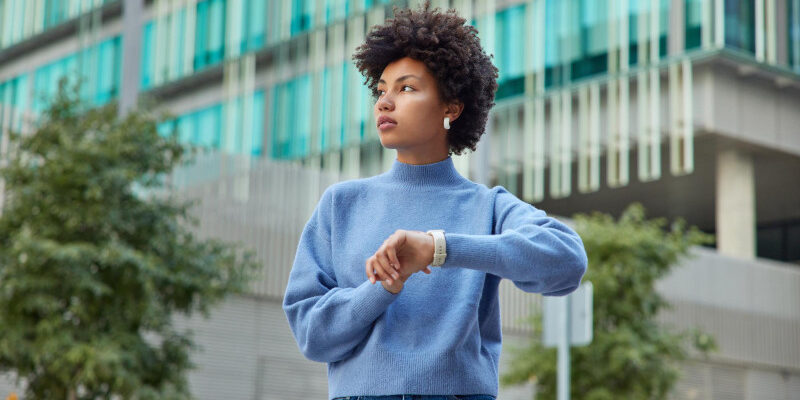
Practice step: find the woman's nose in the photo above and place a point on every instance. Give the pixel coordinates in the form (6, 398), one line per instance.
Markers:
(384, 104)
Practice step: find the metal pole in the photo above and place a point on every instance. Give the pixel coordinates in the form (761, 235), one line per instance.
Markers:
(563, 350)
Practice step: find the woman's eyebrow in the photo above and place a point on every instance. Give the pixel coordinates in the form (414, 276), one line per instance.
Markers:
(404, 77)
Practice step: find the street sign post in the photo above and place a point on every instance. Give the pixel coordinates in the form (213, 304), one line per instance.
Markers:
(567, 321)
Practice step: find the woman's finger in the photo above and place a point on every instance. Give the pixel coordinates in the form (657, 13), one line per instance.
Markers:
(370, 273)
(382, 263)
(374, 269)
(383, 258)
(392, 252)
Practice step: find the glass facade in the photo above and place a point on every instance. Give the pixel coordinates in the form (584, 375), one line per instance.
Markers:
(291, 122)
(13, 92)
(580, 39)
(21, 19)
(204, 127)
(578, 45)
(98, 65)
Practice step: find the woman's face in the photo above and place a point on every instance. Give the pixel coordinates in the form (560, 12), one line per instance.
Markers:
(407, 93)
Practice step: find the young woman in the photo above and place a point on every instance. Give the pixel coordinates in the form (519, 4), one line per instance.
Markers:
(434, 335)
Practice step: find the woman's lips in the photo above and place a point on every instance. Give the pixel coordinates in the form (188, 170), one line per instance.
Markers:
(387, 125)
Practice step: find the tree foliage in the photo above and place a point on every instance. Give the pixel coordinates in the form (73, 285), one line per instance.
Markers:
(632, 356)
(92, 269)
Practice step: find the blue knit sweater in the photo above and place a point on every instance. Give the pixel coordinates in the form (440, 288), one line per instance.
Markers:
(441, 334)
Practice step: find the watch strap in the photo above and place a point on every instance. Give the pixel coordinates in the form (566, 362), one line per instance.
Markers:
(439, 247)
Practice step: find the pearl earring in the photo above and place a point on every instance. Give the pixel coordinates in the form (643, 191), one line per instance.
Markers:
(446, 122)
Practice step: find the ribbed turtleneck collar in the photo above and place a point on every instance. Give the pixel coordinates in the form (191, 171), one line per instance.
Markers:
(441, 173)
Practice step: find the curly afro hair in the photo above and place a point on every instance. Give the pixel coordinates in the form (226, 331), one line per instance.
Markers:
(452, 52)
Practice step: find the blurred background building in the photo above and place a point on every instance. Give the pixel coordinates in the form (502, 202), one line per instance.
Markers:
(691, 107)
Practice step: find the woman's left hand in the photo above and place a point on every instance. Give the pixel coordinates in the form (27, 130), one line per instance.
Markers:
(409, 251)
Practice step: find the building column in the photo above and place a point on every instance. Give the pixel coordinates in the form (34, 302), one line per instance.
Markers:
(676, 35)
(735, 204)
(131, 54)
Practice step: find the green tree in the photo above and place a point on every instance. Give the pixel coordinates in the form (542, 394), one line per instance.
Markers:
(631, 355)
(96, 257)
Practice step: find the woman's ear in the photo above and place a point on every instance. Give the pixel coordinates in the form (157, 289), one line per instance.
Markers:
(453, 110)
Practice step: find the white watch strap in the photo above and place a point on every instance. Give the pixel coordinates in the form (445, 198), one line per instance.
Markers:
(439, 247)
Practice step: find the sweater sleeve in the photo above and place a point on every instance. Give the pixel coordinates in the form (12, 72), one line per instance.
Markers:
(538, 253)
(327, 321)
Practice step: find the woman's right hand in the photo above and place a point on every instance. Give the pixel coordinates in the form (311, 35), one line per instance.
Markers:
(403, 252)
(397, 284)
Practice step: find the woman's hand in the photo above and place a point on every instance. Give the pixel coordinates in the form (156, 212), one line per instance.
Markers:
(401, 255)
(397, 284)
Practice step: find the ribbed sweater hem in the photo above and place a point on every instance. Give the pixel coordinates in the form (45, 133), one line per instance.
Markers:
(424, 373)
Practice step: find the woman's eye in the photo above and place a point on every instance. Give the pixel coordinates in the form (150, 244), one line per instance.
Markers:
(380, 92)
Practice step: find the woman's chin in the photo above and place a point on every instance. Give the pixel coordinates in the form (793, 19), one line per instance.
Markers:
(386, 141)
(388, 144)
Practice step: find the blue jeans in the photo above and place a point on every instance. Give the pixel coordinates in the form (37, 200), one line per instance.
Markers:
(421, 397)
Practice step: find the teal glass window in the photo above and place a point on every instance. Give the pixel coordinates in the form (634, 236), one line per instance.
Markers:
(202, 128)
(102, 60)
(17, 17)
(147, 55)
(176, 56)
(511, 23)
(693, 18)
(340, 73)
(510, 51)
(174, 64)
(302, 122)
(165, 128)
(740, 25)
(282, 139)
(14, 93)
(562, 44)
(358, 96)
(367, 4)
(593, 39)
(336, 10)
(277, 145)
(209, 123)
(290, 120)
(793, 33)
(637, 8)
(326, 88)
(302, 15)
(257, 142)
(253, 24)
(254, 127)
(54, 12)
(274, 21)
(186, 126)
(209, 33)
(108, 70)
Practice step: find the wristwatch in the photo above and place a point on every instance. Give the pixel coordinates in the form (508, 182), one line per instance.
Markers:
(439, 247)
